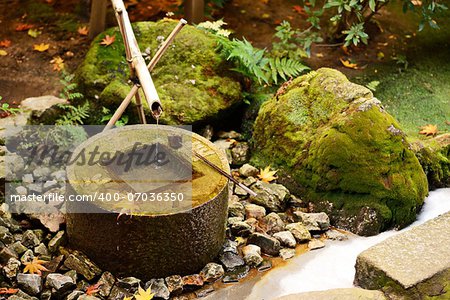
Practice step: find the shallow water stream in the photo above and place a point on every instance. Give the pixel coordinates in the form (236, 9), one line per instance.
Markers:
(327, 268)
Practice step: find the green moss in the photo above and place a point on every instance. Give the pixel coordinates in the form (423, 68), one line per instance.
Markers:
(338, 145)
(434, 157)
(191, 79)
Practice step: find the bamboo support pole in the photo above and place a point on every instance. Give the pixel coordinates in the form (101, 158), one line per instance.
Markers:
(120, 110)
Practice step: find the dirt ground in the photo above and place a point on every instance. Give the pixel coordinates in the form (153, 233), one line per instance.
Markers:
(26, 72)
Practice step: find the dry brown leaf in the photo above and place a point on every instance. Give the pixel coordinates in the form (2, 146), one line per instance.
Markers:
(8, 291)
(266, 175)
(23, 26)
(5, 43)
(41, 47)
(58, 63)
(348, 64)
(108, 40)
(429, 129)
(35, 266)
(83, 30)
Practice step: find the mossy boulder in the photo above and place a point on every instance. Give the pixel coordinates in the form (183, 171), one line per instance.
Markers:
(434, 157)
(193, 82)
(337, 147)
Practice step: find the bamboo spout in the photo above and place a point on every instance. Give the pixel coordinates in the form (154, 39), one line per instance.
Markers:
(136, 60)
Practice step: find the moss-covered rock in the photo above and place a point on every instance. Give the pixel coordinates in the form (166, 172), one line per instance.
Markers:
(338, 148)
(434, 157)
(193, 82)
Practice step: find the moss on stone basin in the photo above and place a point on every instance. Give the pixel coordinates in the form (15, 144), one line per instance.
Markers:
(192, 80)
(337, 147)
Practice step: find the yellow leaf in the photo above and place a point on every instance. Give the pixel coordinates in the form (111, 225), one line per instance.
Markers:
(143, 294)
(266, 175)
(34, 32)
(348, 64)
(41, 47)
(58, 63)
(429, 130)
(3, 53)
(319, 54)
(35, 266)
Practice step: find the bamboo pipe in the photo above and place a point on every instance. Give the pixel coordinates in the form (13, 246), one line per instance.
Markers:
(136, 60)
(120, 110)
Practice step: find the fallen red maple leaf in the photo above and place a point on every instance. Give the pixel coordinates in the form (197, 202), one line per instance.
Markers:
(5, 43)
(8, 291)
(23, 26)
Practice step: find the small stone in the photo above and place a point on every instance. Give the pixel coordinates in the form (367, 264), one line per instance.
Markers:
(249, 181)
(83, 265)
(59, 281)
(21, 190)
(211, 272)
(229, 135)
(287, 253)
(130, 284)
(194, 280)
(41, 172)
(158, 288)
(314, 221)
(55, 263)
(35, 188)
(233, 199)
(274, 197)
(236, 274)
(239, 191)
(240, 153)
(5, 236)
(286, 238)
(254, 211)
(46, 295)
(236, 209)
(315, 244)
(268, 245)
(229, 246)
(241, 229)
(296, 201)
(234, 220)
(231, 260)
(59, 175)
(21, 295)
(27, 256)
(74, 295)
(29, 239)
(88, 297)
(248, 170)
(49, 184)
(207, 132)
(30, 283)
(106, 283)
(11, 268)
(72, 274)
(204, 291)
(41, 249)
(27, 178)
(174, 284)
(7, 253)
(252, 255)
(58, 240)
(18, 248)
(265, 265)
(336, 235)
(273, 223)
(118, 293)
(299, 231)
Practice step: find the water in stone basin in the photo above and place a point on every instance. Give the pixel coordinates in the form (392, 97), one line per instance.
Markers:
(333, 266)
